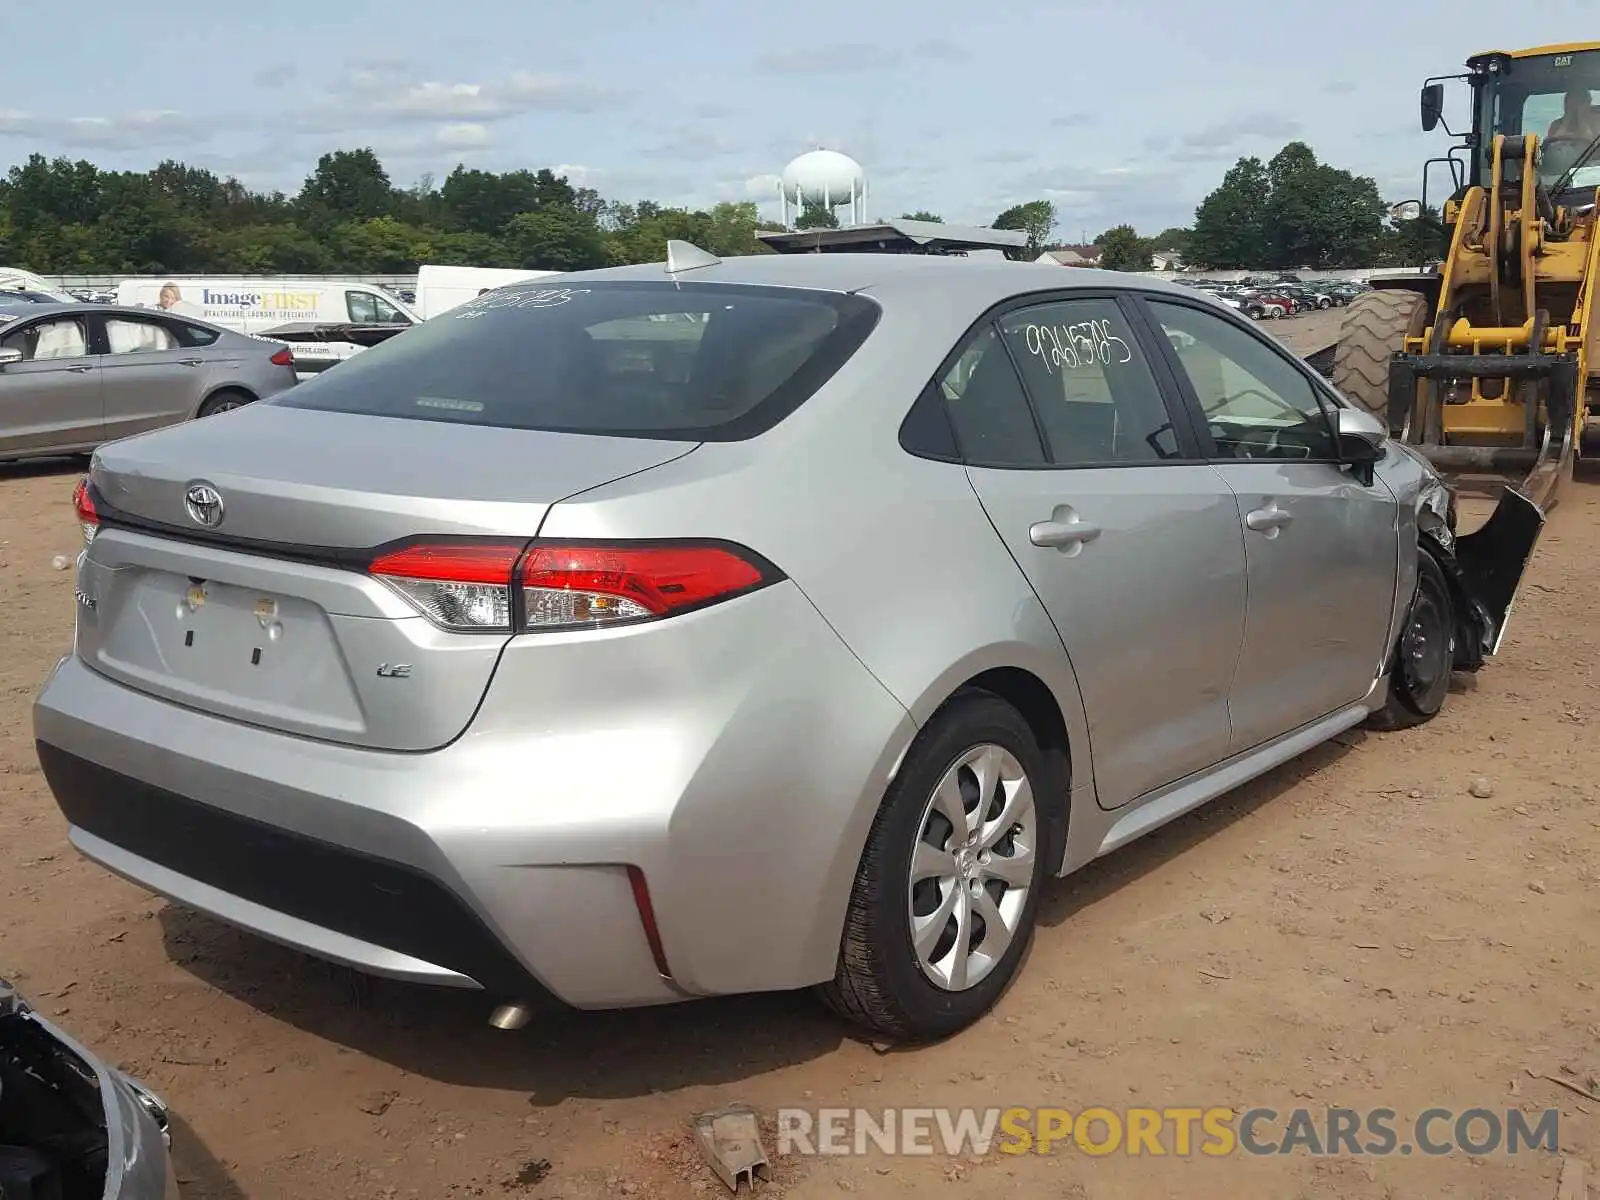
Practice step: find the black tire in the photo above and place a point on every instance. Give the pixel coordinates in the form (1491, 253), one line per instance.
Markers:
(1375, 326)
(879, 983)
(1424, 653)
(224, 401)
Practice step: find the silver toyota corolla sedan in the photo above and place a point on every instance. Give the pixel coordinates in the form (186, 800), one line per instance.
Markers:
(724, 626)
(75, 375)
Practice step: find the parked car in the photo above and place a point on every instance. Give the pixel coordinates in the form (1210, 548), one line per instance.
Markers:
(72, 1128)
(75, 375)
(1272, 298)
(734, 625)
(11, 297)
(17, 279)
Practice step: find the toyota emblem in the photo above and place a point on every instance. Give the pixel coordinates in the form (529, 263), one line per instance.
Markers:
(204, 504)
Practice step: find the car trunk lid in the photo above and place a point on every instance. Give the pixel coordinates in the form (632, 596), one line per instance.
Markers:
(228, 570)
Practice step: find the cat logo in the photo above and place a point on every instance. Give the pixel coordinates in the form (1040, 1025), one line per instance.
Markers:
(394, 671)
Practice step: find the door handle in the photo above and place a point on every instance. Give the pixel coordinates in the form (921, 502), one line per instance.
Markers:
(1065, 531)
(1268, 520)
(192, 362)
(80, 370)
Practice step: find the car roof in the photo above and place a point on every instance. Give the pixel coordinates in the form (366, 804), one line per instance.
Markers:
(981, 282)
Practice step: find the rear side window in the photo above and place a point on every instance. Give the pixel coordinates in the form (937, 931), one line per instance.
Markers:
(196, 335)
(988, 407)
(693, 362)
(126, 335)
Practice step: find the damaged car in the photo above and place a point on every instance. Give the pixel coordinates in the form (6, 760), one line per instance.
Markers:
(72, 1128)
(735, 625)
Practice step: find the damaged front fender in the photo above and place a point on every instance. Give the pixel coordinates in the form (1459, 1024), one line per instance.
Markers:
(1486, 568)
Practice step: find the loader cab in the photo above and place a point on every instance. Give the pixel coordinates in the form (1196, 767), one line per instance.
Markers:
(1550, 91)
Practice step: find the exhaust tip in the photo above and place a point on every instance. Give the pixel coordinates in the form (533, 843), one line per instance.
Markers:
(510, 1017)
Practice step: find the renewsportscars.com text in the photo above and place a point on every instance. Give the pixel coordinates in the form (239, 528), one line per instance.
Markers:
(1211, 1132)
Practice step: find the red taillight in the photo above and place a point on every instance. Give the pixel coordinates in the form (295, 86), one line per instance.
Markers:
(283, 358)
(88, 516)
(475, 585)
(566, 587)
(465, 587)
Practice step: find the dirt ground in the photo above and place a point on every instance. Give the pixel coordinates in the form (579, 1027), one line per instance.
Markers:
(1358, 928)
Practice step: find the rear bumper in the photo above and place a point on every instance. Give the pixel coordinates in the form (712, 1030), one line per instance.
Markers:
(736, 759)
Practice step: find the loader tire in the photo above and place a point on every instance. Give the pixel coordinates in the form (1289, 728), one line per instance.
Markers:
(1375, 326)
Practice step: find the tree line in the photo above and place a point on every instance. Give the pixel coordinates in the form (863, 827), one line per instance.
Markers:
(1287, 213)
(64, 217)
(59, 216)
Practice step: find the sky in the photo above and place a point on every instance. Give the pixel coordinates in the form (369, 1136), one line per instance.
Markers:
(1118, 112)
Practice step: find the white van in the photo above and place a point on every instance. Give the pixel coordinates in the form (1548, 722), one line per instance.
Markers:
(440, 289)
(254, 305)
(16, 279)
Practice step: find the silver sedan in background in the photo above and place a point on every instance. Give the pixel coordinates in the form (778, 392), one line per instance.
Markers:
(73, 376)
(741, 625)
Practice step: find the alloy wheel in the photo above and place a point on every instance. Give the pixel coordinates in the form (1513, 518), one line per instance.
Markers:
(972, 867)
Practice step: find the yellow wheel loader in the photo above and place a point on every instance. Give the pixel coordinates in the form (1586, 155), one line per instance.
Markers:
(1483, 363)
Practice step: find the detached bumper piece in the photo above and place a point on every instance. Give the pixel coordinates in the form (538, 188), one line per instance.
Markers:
(1489, 565)
(1416, 414)
(71, 1126)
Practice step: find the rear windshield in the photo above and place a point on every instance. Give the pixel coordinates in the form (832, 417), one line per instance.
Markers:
(678, 361)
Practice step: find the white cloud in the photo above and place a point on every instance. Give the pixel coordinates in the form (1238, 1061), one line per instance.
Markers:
(762, 187)
(128, 131)
(697, 141)
(1223, 135)
(432, 101)
(558, 94)
(463, 135)
(388, 93)
(576, 173)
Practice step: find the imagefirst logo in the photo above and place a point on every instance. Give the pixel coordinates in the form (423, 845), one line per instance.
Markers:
(1165, 1132)
(269, 301)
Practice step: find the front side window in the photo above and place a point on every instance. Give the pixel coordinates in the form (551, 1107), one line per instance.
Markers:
(678, 361)
(1095, 394)
(367, 308)
(1255, 402)
(126, 336)
(65, 337)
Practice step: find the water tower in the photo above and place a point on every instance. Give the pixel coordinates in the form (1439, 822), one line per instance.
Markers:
(827, 178)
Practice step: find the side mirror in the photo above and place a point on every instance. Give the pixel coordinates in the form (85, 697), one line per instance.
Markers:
(1361, 436)
(7, 357)
(1406, 210)
(1432, 106)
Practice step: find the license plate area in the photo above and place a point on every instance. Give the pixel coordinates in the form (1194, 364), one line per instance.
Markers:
(233, 650)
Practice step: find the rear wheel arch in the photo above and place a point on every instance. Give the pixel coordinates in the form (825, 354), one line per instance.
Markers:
(1031, 697)
(222, 398)
(1036, 703)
